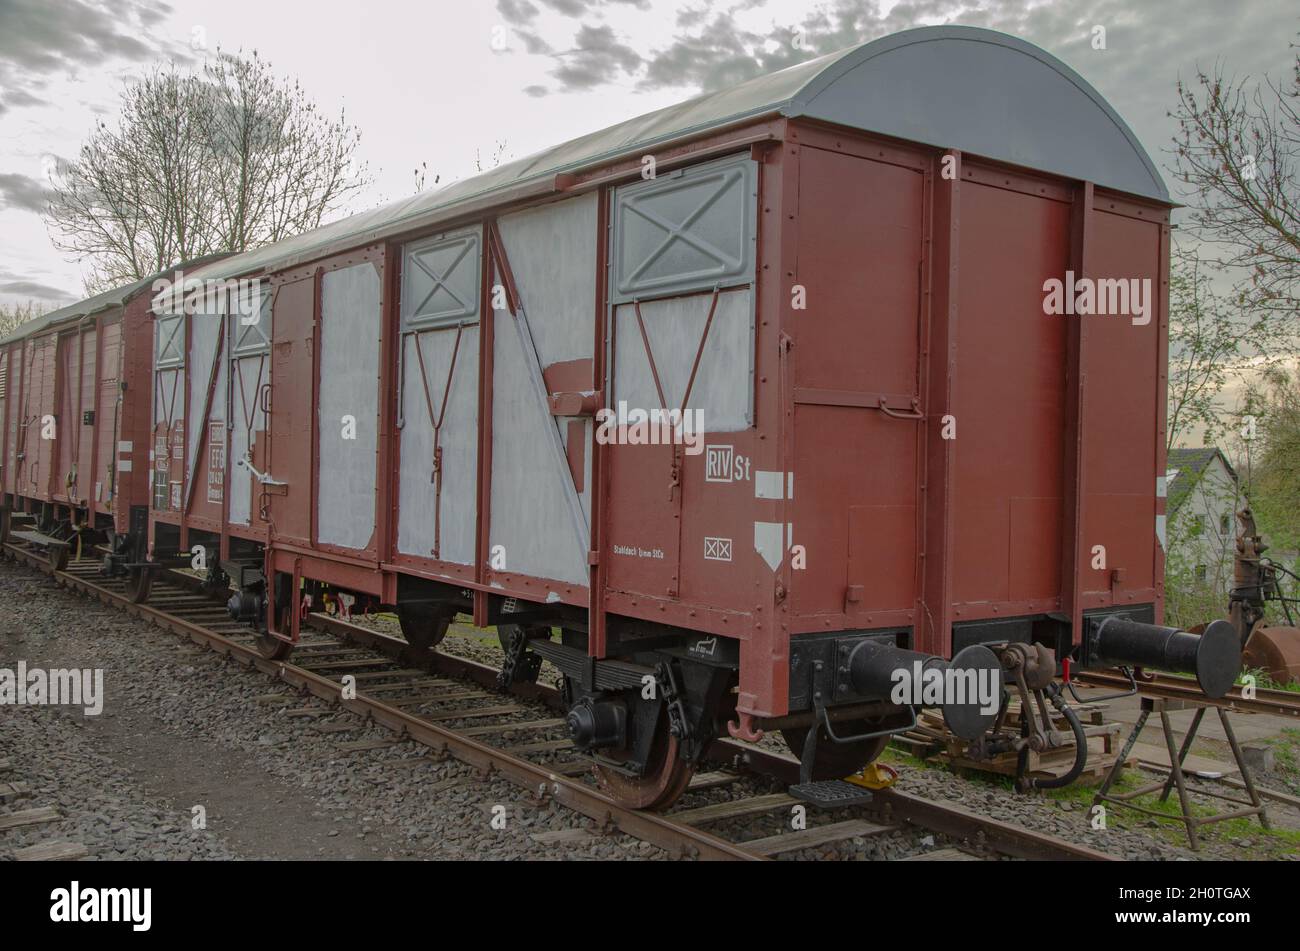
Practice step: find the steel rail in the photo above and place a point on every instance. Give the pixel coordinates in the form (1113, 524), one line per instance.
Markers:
(1282, 703)
(675, 838)
(948, 818)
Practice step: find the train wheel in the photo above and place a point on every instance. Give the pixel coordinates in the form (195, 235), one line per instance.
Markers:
(665, 778)
(139, 582)
(272, 648)
(424, 625)
(837, 760)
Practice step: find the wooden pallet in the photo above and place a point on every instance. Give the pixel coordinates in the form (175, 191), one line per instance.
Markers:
(931, 738)
(52, 851)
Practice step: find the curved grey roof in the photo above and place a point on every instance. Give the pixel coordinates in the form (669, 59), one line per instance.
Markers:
(105, 300)
(977, 90)
(980, 91)
(91, 305)
(986, 93)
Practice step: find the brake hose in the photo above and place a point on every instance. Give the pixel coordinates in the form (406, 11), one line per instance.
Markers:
(1053, 693)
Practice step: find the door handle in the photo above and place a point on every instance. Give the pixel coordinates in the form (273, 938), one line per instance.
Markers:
(895, 414)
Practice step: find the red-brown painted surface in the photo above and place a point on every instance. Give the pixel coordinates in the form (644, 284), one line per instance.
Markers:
(924, 295)
(293, 414)
(131, 418)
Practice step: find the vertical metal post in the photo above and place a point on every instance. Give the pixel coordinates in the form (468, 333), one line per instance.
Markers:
(1176, 768)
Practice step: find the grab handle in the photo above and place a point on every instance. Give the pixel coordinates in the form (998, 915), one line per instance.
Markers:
(895, 414)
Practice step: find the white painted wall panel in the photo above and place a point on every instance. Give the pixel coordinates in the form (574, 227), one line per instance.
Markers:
(245, 407)
(723, 387)
(459, 440)
(552, 252)
(205, 331)
(349, 372)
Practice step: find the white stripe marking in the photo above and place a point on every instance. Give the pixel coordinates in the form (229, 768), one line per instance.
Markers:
(767, 542)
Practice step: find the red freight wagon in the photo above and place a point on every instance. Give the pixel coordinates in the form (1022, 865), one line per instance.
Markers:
(74, 405)
(733, 412)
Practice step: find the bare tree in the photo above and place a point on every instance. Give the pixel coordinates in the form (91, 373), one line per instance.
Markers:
(13, 316)
(279, 164)
(1237, 149)
(1208, 341)
(226, 160)
(1274, 405)
(422, 178)
(494, 157)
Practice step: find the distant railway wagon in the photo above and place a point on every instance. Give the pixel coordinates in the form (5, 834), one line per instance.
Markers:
(748, 414)
(74, 407)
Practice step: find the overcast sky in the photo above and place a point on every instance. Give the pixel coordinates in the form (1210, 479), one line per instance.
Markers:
(430, 82)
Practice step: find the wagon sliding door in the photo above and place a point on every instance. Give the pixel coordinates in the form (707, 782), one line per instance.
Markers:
(348, 424)
(287, 492)
(167, 455)
(250, 377)
(857, 425)
(682, 293)
(438, 401)
(542, 365)
(324, 409)
(72, 475)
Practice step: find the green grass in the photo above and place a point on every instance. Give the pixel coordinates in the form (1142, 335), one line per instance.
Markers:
(1265, 682)
(1274, 842)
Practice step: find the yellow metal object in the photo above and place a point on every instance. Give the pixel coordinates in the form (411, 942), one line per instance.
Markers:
(874, 776)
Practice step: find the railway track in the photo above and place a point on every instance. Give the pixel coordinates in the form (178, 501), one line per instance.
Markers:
(450, 706)
(1282, 703)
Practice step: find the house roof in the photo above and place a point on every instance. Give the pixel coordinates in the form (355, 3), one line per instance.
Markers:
(1190, 465)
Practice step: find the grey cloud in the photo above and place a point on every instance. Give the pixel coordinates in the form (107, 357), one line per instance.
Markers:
(537, 92)
(517, 12)
(35, 290)
(570, 8)
(1148, 45)
(39, 38)
(22, 97)
(22, 193)
(49, 35)
(599, 57)
(533, 43)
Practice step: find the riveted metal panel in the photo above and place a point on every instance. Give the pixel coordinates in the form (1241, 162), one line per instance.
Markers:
(440, 280)
(688, 230)
(248, 376)
(253, 335)
(208, 374)
(722, 390)
(169, 342)
(439, 383)
(349, 406)
(552, 253)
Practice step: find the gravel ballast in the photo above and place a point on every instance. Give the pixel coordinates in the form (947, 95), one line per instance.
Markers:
(186, 733)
